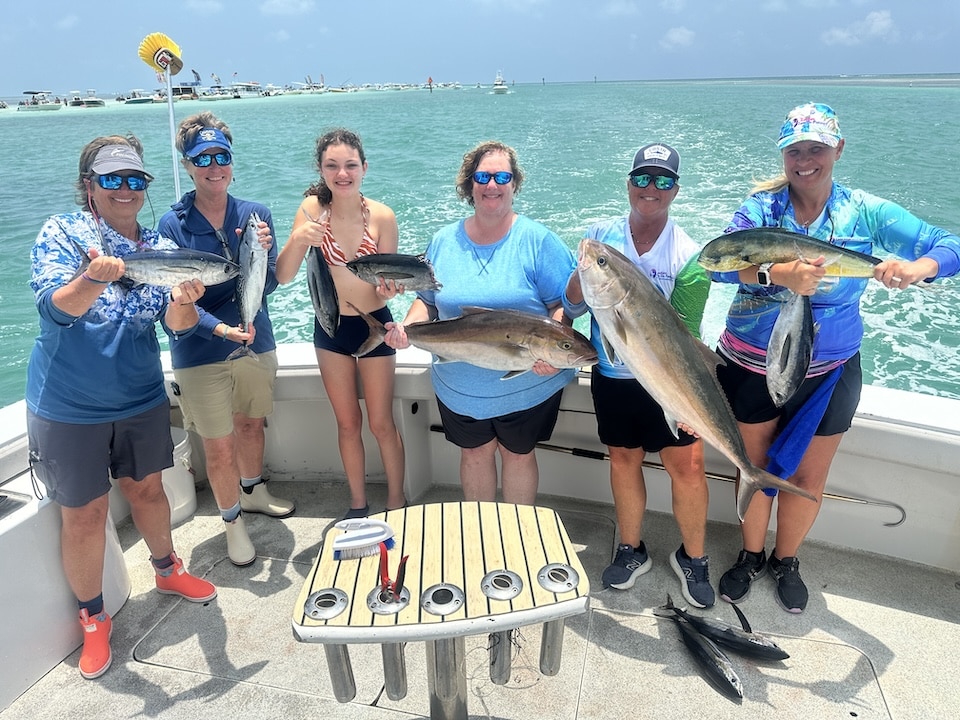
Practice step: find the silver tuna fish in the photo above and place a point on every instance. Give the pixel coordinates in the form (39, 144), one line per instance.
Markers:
(414, 272)
(168, 268)
(323, 292)
(715, 664)
(507, 340)
(745, 248)
(790, 348)
(679, 372)
(253, 278)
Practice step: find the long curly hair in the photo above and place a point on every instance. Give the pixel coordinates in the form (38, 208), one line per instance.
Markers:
(337, 136)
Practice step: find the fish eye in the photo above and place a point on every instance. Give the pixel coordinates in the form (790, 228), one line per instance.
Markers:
(601, 261)
(566, 345)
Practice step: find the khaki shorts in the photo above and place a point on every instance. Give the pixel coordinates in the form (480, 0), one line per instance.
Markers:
(211, 394)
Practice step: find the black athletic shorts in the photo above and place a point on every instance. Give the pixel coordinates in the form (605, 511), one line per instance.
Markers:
(519, 432)
(351, 334)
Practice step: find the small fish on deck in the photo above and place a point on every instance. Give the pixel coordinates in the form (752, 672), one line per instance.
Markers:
(715, 665)
(414, 272)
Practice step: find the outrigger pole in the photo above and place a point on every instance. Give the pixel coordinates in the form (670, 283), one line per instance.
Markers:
(163, 55)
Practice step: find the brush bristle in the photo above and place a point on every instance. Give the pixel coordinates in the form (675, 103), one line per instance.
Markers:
(362, 552)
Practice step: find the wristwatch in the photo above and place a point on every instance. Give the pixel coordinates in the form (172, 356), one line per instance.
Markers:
(763, 275)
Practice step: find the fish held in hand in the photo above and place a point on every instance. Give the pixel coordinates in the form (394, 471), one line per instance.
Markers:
(323, 292)
(253, 278)
(745, 248)
(790, 348)
(508, 340)
(742, 640)
(414, 272)
(641, 327)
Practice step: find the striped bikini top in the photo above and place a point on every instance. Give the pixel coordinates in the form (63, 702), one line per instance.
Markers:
(333, 253)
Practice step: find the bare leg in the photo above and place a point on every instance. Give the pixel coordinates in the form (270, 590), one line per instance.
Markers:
(478, 472)
(521, 477)
(377, 375)
(82, 543)
(249, 445)
(150, 510)
(339, 374)
(222, 470)
(629, 492)
(690, 494)
(758, 437)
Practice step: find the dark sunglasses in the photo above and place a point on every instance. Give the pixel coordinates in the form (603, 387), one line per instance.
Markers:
(115, 182)
(482, 177)
(660, 182)
(222, 158)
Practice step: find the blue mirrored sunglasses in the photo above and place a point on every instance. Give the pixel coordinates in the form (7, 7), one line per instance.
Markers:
(222, 158)
(660, 182)
(115, 182)
(482, 177)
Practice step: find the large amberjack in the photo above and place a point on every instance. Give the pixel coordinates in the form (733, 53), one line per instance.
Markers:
(641, 328)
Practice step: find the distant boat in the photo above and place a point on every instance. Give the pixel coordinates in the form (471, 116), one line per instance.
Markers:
(38, 100)
(90, 100)
(500, 85)
(137, 97)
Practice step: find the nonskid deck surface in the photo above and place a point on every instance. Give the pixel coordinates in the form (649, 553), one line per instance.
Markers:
(877, 639)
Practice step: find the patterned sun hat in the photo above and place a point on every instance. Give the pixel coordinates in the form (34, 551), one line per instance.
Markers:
(813, 121)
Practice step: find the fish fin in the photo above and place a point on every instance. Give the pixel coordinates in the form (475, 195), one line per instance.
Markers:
(742, 617)
(753, 479)
(377, 331)
(712, 358)
(243, 351)
(619, 326)
(514, 373)
(474, 310)
(608, 349)
(672, 424)
(84, 260)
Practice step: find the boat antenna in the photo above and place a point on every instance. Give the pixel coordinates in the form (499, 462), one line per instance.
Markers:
(163, 55)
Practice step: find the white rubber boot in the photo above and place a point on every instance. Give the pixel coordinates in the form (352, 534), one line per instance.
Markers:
(261, 501)
(239, 548)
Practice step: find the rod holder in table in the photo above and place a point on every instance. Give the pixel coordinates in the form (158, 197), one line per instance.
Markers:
(394, 670)
(551, 647)
(341, 672)
(447, 678)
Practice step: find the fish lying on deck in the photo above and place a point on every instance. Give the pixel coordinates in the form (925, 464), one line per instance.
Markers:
(323, 292)
(253, 279)
(739, 639)
(507, 340)
(641, 327)
(755, 246)
(790, 348)
(414, 272)
(716, 666)
(168, 268)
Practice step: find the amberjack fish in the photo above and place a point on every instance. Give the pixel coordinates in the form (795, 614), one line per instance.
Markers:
(640, 326)
(323, 292)
(253, 278)
(508, 340)
(414, 272)
(742, 640)
(716, 666)
(790, 348)
(744, 248)
(167, 268)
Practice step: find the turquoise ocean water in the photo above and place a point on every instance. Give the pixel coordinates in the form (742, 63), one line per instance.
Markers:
(575, 142)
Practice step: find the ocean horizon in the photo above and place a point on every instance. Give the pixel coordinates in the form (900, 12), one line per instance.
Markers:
(575, 142)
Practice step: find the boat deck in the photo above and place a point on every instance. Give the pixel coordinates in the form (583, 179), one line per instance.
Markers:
(878, 639)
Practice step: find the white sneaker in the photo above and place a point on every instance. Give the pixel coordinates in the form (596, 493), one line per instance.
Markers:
(239, 548)
(261, 501)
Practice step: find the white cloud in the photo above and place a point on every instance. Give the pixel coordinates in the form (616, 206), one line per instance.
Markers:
(876, 25)
(286, 7)
(677, 37)
(205, 7)
(621, 8)
(673, 6)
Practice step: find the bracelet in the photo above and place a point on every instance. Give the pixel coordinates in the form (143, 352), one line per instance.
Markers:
(95, 282)
(226, 329)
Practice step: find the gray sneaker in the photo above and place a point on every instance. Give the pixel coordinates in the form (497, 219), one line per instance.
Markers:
(694, 574)
(628, 565)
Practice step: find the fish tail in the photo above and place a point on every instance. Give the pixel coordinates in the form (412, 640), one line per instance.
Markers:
(753, 479)
(243, 351)
(84, 260)
(377, 332)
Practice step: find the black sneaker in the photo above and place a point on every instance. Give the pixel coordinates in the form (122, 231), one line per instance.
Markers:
(735, 582)
(627, 566)
(791, 592)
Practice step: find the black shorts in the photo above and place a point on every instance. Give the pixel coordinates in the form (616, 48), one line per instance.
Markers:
(351, 334)
(519, 432)
(751, 403)
(628, 417)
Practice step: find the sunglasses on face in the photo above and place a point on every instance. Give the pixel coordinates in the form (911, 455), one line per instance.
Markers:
(115, 182)
(482, 177)
(660, 182)
(222, 158)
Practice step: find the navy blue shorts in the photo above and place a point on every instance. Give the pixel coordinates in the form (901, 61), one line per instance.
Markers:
(519, 432)
(628, 417)
(351, 334)
(751, 403)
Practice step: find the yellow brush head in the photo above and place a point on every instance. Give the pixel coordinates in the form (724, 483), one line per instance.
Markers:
(161, 53)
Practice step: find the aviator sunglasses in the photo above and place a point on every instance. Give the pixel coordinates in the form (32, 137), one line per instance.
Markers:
(115, 182)
(222, 158)
(482, 177)
(660, 182)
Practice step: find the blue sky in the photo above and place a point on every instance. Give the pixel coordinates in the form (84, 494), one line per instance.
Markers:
(65, 44)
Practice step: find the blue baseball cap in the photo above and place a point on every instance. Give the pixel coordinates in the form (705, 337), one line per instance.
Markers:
(813, 121)
(206, 139)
